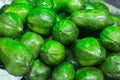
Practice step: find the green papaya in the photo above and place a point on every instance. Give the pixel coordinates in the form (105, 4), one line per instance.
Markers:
(33, 41)
(15, 56)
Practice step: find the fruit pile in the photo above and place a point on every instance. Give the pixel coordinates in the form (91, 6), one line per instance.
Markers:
(60, 40)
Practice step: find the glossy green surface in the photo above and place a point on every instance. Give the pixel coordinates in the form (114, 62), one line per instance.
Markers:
(100, 6)
(44, 3)
(89, 73)
(41, 20)
(22, 9)
(111, 66)
(10, 24)
(15, 56)
(52, 52)
(57, 6)
(89, 51)
(33, 41)
(110, 38)
(41, 3)
(65, 31)
(95, 19)
(72, 5)
(89, 6)
(39, 71)
(20, 1)
(64, 71)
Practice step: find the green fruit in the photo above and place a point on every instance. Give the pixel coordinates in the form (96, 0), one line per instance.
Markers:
(89, 73)
(89, 6)
(41, 3)
(72, 5)
(39, 71)
(110, 38)
(21, 9)
(88, 51)
(57, 6)
(95, 19)
(20, 1)
(64, 71)
(111, 66)
(33, 41)
(41, 20)
(101, 6)
(10, 24)
(44, 3)
(65, 31)
(52, 52)
(15, 56)
(98, 5)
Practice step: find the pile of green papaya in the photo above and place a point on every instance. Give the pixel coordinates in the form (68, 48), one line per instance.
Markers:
(59, 40)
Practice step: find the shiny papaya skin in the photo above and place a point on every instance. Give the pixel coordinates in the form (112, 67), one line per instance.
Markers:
(110, 38)
(11, 25)
(39, 71)
(65, 31)
(20, 1)
(89, 51)
(33, 41)
(41, 3)
(15, 56)
(111, 66)
(52, 52)
(96, 19)
(64, 71)
(71, 5)
(22, 9)
(57, 6)
(44, 22)
(89, 73)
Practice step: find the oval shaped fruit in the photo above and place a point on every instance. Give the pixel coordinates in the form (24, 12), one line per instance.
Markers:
(111, 66)
(65, 31)
(15, 56)
(110, 38)
(64, 71)
(89, 73)
(95, 19)
(10, 24)
(33, 41)
(72, 5)
(88, 51)
(39, 71)
(52, 52)
(41, 20)
(22, 9)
